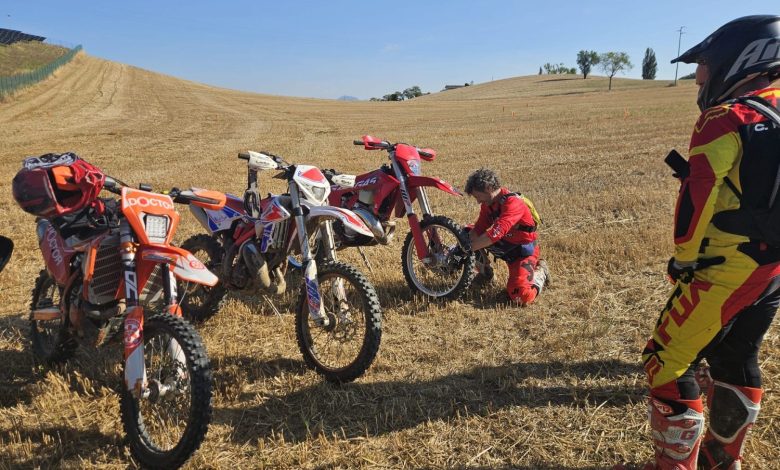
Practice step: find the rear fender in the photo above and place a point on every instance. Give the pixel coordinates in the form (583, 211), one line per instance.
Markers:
(345, 216)
(183, 264)
(417, 181)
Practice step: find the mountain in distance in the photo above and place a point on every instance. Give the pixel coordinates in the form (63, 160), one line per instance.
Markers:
(348, 98)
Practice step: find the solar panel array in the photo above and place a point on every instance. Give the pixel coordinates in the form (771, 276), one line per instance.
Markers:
(10, 36)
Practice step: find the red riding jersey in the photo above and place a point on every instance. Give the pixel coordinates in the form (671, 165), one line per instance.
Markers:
(509, 221)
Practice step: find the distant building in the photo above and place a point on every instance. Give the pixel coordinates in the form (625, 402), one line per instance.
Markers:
(452, 87)
(10, 36)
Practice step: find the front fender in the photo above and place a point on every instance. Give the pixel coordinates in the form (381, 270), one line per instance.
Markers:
(183, 264)
(346, 216)
(417, 181)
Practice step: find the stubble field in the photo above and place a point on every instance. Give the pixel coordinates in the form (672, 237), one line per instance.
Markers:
(471, 384)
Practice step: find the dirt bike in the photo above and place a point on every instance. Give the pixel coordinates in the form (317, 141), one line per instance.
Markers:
(434, 256)
(6, 248)
(109, 278)
(248, 245)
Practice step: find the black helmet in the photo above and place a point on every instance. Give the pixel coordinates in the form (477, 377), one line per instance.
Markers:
(736, 53)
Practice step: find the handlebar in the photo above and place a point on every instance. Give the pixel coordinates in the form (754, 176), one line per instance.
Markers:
(357, 142)
(243, 156)
(424, 153)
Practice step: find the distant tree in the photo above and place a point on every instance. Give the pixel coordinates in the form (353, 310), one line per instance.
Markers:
(649, 65)
(552, 69)
(540, 70)
(572, 71)
(586, 60)
(613, 62)
(690, 76)
(412, 92)
(375, 99)
(397, 96)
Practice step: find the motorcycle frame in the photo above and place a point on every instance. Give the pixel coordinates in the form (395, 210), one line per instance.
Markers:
(403, 188)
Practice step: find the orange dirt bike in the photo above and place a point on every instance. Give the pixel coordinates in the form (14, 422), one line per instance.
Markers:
(110, 278)
(434, 256)
(338, 320)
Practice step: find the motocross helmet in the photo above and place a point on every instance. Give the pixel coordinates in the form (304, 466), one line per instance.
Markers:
(736, 53)
(54, 185)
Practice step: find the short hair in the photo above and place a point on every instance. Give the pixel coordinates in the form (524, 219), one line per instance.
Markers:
(482, 180)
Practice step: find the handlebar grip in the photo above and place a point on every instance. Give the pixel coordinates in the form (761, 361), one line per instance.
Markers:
(357, 142)
(243, 156)
(424, 153)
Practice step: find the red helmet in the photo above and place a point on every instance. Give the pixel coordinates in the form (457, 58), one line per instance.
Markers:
(53, 185)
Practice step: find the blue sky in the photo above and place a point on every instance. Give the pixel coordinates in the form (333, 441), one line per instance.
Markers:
(365, 49)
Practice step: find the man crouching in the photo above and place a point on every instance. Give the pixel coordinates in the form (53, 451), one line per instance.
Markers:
(506, 227)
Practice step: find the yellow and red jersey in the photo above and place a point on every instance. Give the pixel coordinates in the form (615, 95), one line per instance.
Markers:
(716, 152)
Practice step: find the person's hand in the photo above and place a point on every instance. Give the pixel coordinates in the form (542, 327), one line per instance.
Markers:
(680, 271)
(683, 270)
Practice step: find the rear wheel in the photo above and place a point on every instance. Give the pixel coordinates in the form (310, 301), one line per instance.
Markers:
(51, 341)
(168, 424)
(344, 349)
(448, 269)
(199, 302)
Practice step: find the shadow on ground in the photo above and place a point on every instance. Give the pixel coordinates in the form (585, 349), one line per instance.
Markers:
(360, 409)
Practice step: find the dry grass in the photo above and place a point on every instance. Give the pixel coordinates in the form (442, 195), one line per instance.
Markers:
(26, 56)
(476, 383)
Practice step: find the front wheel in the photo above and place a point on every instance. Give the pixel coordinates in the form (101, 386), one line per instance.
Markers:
(448, 270)
(344, 349)
(168, 423)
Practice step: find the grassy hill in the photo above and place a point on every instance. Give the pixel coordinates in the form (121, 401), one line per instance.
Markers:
(544, 85)
(477, 383)
(26, 56)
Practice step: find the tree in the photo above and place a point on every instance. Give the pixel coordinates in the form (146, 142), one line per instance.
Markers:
(586, 60)
(540, 70)
(649, 65)
(613, 62)
(556, 69)
(412, 92)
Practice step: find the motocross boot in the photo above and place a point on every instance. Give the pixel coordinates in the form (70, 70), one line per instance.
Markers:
(676, 436)
(733, 410)
(541, 276)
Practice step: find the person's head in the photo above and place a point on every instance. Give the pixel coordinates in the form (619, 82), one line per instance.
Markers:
(484, 185)
(740, 56)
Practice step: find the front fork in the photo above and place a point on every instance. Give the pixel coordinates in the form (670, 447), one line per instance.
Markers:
(133, 338)
(313, 295)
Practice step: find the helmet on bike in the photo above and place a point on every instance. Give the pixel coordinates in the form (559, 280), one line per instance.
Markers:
(736, 53)
(53, 185)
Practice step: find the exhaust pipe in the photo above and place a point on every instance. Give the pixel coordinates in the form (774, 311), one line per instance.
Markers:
(259, 269)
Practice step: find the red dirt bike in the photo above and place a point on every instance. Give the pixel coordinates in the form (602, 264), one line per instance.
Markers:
(109, 278)
(338, 320)
(434, 256)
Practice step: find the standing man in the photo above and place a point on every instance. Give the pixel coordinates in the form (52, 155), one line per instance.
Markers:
(506, 226)
(726, 265)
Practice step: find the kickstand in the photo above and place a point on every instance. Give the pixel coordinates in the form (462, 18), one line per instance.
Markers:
(365, 259)
(273, 307)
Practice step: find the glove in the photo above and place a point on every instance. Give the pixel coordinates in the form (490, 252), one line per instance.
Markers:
(683, 271)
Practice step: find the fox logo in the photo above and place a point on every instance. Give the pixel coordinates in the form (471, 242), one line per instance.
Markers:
(757, 52)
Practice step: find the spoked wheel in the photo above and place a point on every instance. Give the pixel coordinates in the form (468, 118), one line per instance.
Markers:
(168, 423)
(51, 341)
(199, 302)
(346, 347)
(448, 270)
